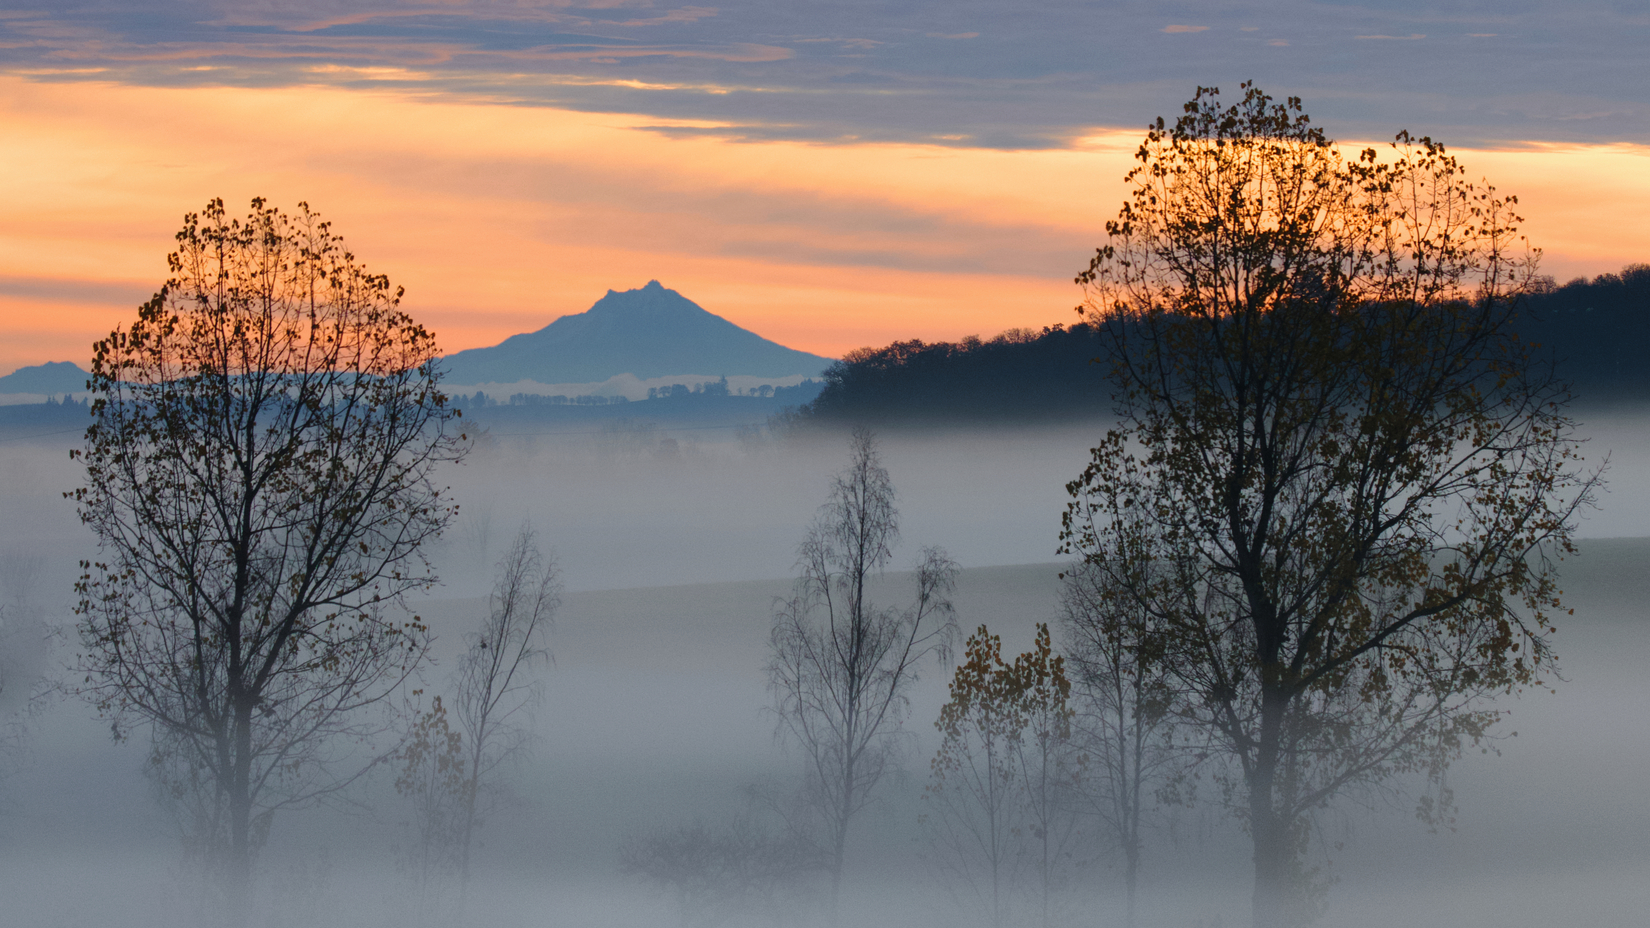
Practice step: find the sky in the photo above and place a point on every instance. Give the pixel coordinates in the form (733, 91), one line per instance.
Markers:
(827, 175)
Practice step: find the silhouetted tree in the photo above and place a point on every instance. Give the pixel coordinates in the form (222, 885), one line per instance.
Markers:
(1004, 783)
(841, 666)
(258, 476)
(433, 775)
(1332, 443)
(1120, 701)
(447, 769)
(25, 637)
(497, 682)
(973, 793)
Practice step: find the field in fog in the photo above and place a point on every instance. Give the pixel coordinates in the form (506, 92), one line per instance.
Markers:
(655, 708)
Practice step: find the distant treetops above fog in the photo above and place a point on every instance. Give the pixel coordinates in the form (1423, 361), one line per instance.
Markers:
(649, 332)
(1598, 331)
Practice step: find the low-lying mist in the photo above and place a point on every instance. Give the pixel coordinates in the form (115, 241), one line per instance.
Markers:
(673, 545)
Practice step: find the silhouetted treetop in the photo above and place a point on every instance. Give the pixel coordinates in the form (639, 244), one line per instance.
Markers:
(1020, 373)
(1596, 330)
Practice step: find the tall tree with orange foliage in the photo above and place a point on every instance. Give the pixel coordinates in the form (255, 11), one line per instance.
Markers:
(1338, 481)
(258, 473)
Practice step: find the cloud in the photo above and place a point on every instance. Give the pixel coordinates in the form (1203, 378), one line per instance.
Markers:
(845, 42)
(76, 290)
(686, 14)
(1039, 81)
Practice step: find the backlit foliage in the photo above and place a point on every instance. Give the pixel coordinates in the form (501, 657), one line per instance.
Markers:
(258, 476)
(1337, 479)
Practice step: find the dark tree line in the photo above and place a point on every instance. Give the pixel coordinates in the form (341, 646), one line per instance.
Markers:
(1019, 373)
(1596, 331)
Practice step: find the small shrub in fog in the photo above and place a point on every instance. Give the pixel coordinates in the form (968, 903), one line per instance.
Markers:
(741, 872)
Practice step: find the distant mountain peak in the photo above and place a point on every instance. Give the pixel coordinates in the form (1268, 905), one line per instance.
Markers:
(650, 285)
(51, 377)
(651, 331)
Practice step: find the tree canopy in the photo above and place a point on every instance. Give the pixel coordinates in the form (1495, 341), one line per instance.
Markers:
(258, 473)
(1338, 479)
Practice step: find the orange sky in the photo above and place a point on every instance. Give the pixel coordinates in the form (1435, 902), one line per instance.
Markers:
(497, 219)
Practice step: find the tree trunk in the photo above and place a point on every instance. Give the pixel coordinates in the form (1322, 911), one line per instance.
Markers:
(237, 872)
(1268, 825)
(836, 872)
(1131, 873)
(467, 836)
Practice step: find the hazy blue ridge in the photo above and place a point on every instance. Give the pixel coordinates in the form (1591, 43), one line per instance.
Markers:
(701, 409)
(649, 332)
(51, 377)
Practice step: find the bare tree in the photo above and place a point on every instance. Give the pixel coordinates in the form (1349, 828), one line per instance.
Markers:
(1121, 714)
(841, 666)
(258, 476)
(25, 639)
(1351, 474)
(447, 769)
(497, 683)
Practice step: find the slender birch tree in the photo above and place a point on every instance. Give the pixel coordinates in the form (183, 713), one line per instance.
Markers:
(841, 666)
(498, 681)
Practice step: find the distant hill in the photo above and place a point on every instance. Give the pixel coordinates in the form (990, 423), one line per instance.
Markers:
(51, 377)
(650, 332)
(1019, 376)
(1595, 332)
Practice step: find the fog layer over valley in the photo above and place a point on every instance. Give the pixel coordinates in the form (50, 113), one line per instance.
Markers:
(673, 545)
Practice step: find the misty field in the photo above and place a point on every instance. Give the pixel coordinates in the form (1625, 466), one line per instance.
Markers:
(656, 713)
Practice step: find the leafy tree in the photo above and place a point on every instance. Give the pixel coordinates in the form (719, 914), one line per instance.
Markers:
(973, 793)
(1348, 474)
(432, 773)
(1050, 765)
(258, 476)
(840, 665)
(1006, 774)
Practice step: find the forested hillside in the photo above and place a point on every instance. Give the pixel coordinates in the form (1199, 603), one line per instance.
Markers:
(1597, 331)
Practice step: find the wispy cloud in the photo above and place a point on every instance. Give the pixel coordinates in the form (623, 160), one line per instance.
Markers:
(918, 69)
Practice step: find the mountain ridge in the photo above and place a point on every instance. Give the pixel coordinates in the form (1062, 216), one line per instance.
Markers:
(651, 331)
(51, 377)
